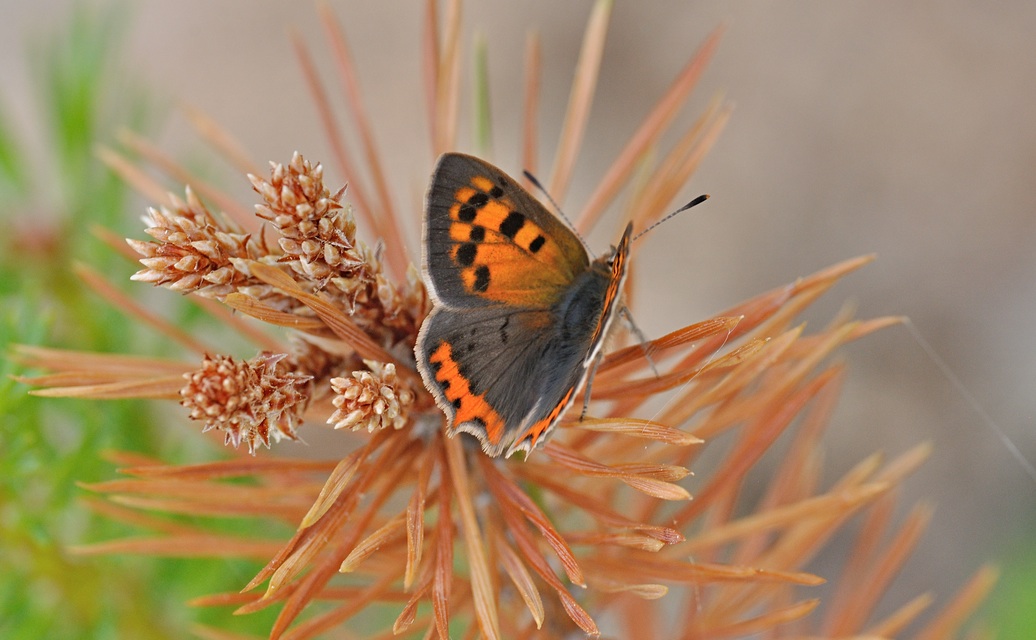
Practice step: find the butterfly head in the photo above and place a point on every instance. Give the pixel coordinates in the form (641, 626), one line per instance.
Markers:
(614, 263)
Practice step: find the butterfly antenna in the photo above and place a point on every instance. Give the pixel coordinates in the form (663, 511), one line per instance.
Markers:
(536, 183)
(693, 203)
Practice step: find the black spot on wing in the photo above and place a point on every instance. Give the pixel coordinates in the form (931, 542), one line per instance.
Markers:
(537, 244)
(481, 278)
(512, 224)
(466, 254)
(469, 210)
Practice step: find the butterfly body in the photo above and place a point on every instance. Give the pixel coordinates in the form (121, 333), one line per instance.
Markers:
(520, 311)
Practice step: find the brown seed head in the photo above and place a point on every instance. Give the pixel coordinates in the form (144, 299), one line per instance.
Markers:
(374, 399)
(250, 401)
(192, 251)
(318, 235)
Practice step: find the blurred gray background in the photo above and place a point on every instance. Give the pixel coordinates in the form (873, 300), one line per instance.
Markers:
(901, 129)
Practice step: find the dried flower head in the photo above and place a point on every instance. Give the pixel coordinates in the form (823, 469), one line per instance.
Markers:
(192, 252)
(596, 527)
(374, 399)
(318, 237)
(248, 401)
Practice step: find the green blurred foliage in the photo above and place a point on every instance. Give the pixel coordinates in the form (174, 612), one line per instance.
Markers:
(1012, 606)
(50, 199)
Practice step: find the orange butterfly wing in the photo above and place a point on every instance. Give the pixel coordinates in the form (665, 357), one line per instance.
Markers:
(520, 311)
(487, 240)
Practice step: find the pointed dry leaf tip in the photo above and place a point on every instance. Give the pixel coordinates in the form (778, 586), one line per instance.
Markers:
(192, 251)
(249, 401)
(375, 399)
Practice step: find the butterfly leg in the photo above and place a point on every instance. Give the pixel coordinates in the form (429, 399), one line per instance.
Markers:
(589, 383)
(628, 315)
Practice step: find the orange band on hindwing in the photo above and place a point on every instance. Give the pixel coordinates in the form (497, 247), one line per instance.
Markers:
(536, 431)
(468, 407)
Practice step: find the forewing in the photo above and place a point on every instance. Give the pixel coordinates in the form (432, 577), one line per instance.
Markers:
(488, 240)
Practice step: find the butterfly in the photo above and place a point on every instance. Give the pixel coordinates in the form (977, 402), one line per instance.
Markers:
(520, 312)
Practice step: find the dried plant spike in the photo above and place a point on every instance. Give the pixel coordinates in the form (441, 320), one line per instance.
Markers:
(893, 625)
(389, 219)
(217, 136)
(583, 85)
(650, 130)
(530, 119)
(447, 80)
(373, 399)
(134, 309)
(482, 589)
(317, 234)
(522, 580)
(251, 402)
(635, 428)
(131, 174)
